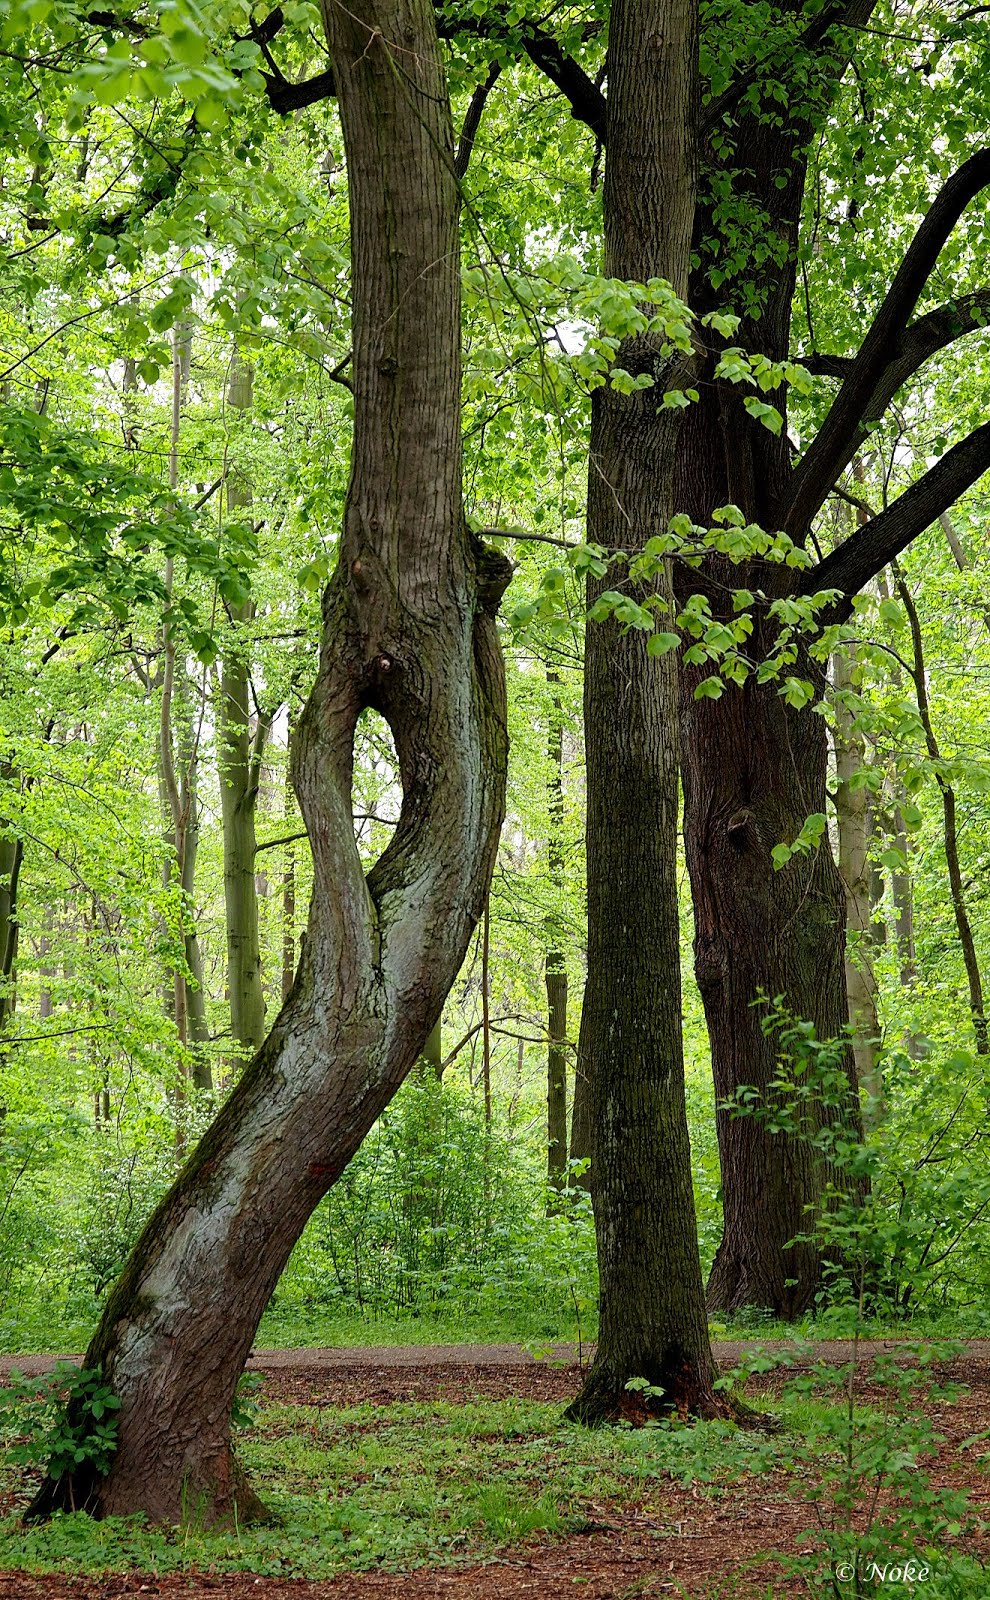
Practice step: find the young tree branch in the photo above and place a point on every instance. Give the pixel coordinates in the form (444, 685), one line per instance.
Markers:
(840, 434)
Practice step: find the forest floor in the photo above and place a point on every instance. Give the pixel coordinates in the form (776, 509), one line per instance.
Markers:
(691, 1520)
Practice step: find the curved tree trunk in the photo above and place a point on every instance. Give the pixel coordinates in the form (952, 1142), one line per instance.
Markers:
(652, 1322)
(409, 630)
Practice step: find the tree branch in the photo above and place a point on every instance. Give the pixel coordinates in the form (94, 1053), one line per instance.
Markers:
(923, 339)
(472, 119)
(840, 434)
(587, 103)
(833, 16)
(867, 551)
(284, 96)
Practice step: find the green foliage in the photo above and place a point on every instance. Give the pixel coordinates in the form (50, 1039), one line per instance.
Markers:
(441, 1216)
(900, 1225)
(62, 1421)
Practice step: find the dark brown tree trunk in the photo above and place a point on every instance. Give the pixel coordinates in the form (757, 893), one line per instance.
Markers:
(652, 1325)
(754, 770)
(555, 961)
(409, 630)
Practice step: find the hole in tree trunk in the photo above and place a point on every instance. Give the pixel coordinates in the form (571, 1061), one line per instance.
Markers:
(376, 788)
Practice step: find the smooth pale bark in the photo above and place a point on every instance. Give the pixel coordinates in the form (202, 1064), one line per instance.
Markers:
(652, 1322)
(902, 889)
(240, 754)
(409, 630)
(555, 960)
(852, 811)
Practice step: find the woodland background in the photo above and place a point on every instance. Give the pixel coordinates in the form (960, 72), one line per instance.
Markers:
(176, 425)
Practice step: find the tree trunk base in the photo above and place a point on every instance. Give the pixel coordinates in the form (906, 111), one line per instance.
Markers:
(679, 1390)
(232, 1504)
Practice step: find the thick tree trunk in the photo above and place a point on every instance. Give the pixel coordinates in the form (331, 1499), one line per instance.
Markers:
(581, 1129)
(652, 1325)
(754, 769)
(555, 961)
(409, 630)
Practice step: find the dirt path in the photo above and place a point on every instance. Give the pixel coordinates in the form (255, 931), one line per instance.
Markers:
(374, 1357)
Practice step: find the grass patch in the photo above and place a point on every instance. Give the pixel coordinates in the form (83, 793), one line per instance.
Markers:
(401, 1486)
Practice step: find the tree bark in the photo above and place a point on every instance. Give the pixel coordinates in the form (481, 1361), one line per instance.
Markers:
(408, 630)
(754, 769)
(652, 1324)
(178, 768)
(11, 856)
(555, 960)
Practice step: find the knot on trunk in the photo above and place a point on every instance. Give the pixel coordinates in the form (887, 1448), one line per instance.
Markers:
(494, 573)
(740, 827)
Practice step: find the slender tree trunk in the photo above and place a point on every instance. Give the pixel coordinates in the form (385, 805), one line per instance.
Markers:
(433, 1050)
(288, 894)
(959, 555)
(960, 910)
(409, 630)
(652, 1324)
(178, 751)
(240, 769)
(11, 856)
(902, 889)
(555, 963)
(852, 813)
(486, 1026)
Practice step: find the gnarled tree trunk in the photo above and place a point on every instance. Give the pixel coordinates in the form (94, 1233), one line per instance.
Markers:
(409, 630)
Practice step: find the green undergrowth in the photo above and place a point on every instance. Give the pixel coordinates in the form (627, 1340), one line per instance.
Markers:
(433, 1483)
(402, 1486)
